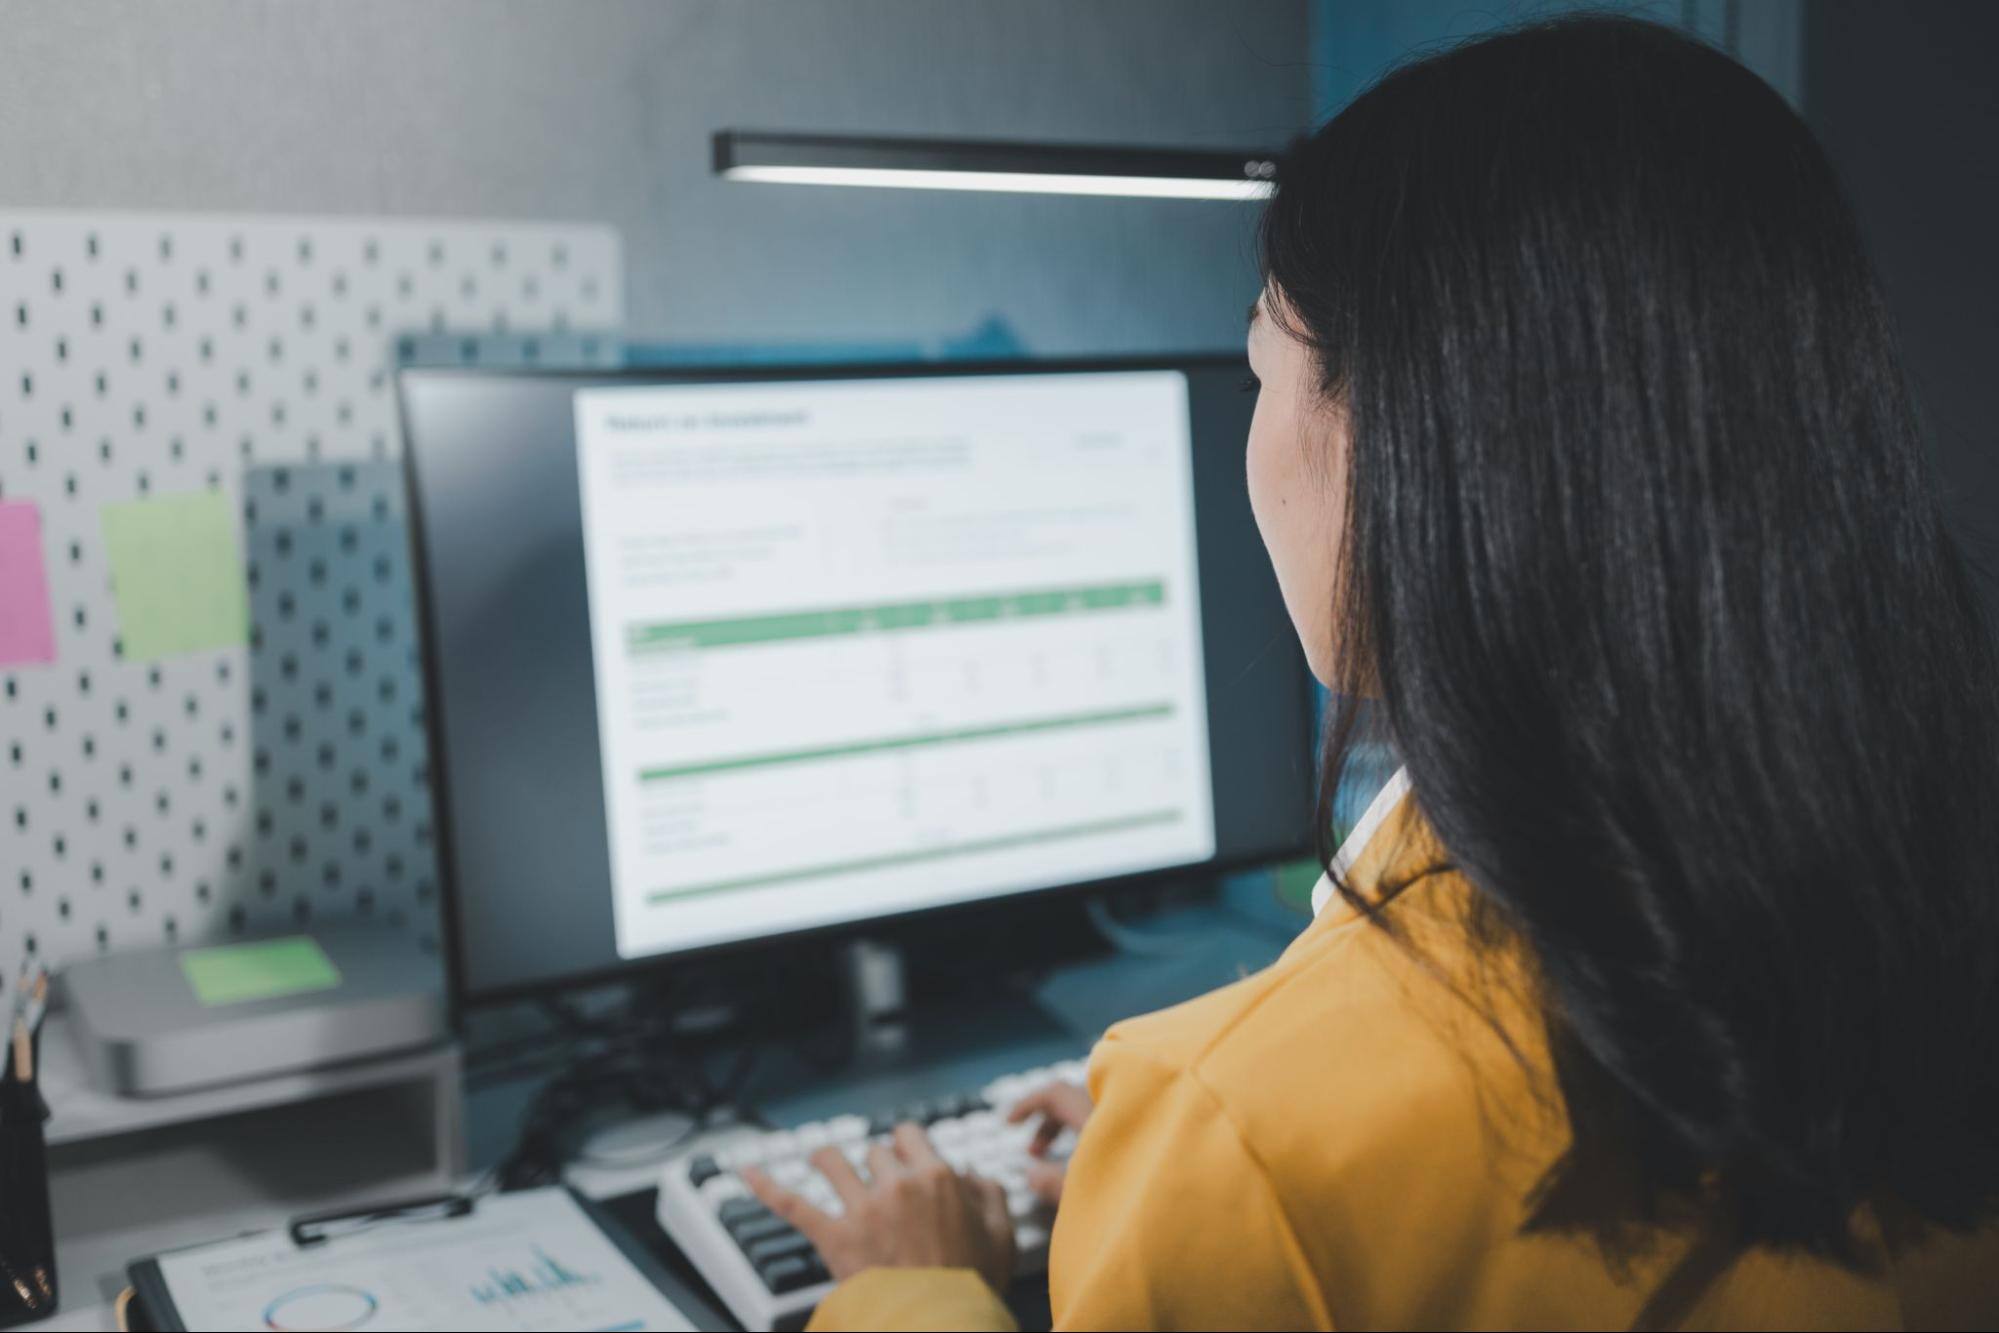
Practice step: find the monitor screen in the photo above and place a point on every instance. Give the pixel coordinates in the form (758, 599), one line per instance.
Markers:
(723, 658)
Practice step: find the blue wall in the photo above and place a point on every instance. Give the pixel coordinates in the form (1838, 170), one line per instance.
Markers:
(1355, 41)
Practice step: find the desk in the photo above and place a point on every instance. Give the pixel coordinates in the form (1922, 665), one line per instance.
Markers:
(1198, 948)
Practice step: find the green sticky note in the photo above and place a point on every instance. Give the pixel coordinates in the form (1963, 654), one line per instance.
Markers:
(176, 574)
(265, 970)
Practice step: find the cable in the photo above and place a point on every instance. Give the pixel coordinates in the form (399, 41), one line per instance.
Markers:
(633, 1058)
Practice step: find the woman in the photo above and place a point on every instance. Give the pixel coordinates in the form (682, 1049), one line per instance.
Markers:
(1661, 988)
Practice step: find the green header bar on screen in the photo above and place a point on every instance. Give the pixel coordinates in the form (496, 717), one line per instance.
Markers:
(893, 616)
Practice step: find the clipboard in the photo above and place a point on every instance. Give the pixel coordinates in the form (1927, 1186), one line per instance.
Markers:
(513, 1261)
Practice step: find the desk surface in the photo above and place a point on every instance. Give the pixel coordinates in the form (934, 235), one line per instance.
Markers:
(1187, 952)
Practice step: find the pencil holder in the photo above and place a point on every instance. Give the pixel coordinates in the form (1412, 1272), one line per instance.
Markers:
(27, 1238)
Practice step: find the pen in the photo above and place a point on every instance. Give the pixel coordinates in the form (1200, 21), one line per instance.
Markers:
(31, 996)
(31, 1021)
(317, 1228)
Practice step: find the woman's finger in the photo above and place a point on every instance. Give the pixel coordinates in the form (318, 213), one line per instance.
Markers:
(840, 1174)
(912, 1145)
(991, 1196)
(1064, 1103)
(1034, 1103)
(1046, 1180)
(816, 1226)
(882, 1161)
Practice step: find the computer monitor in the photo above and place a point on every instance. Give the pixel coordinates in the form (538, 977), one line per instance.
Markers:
(718, 657)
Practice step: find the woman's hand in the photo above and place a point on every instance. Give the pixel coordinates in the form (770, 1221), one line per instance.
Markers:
(913, 1211)
(1061, 1106)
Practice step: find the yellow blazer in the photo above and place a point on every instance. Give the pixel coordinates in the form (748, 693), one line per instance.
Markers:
(1341, 1142)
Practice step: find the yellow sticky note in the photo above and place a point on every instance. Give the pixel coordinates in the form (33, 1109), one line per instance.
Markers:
(176, 574)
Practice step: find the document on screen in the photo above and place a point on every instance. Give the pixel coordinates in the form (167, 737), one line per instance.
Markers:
(878, 645)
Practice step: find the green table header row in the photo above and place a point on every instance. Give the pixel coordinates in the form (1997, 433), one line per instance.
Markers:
(894, 616)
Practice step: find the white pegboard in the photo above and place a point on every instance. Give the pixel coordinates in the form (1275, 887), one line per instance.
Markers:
(245, 788)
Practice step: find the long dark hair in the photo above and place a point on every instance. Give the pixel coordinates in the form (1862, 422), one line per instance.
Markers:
(1645, 564)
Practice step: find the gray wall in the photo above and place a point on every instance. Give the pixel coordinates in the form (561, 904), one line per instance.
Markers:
(564, 110)
(1903, 96)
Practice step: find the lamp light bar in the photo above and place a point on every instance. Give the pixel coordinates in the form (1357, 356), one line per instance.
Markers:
(973, 164)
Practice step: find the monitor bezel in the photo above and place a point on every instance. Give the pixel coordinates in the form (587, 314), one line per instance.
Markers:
(443, 846)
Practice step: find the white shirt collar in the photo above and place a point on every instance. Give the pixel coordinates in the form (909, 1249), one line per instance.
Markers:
(1378, 809)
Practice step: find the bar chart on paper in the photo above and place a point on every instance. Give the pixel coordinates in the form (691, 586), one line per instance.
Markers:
(544, 1275)
(862, 647)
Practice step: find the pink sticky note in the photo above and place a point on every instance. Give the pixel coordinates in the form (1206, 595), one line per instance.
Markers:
(26, 632)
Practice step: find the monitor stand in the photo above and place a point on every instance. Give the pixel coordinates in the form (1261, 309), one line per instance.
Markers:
(877, 1003)
(878, 1036)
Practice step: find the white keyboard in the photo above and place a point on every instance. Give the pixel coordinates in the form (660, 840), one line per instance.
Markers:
(765, 1271)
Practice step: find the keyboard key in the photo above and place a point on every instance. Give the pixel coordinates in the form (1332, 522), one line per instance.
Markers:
(702, 1169)
(747, 1152)
(739, 1210)
(846, 1128)
(788, 1274)
(753, 1231)
(785, 1245)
